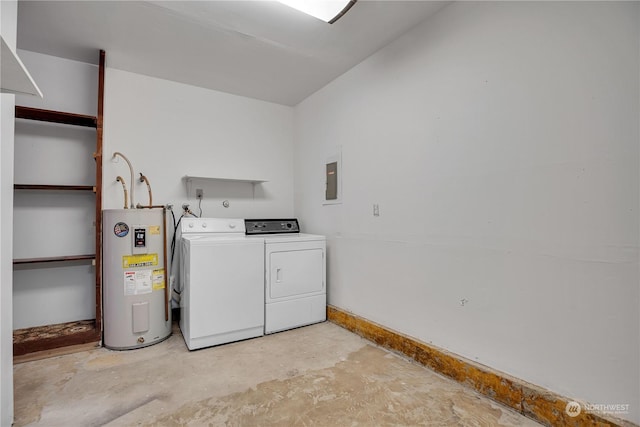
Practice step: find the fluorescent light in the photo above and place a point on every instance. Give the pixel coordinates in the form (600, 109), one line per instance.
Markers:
(326, 10)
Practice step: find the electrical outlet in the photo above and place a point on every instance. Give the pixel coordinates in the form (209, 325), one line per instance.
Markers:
(376, 209)
(199, 193)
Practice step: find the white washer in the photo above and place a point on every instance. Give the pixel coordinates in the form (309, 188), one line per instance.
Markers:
(223, 282)
(295, 274)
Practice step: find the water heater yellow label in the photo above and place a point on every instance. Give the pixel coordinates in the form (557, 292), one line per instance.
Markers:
(158, 279)
(154, 229)
(142, 260)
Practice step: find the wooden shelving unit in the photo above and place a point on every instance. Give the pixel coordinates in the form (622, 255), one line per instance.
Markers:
(48, 337)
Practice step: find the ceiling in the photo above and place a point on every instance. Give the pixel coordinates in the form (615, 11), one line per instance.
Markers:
(258, 49)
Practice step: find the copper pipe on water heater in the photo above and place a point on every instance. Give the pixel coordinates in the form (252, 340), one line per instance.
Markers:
(145, 179)
(166, 267)
(124, 187)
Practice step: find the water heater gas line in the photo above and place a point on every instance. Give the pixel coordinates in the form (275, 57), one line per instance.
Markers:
(117, 153)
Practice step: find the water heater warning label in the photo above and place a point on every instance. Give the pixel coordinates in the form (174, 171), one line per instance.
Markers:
(142, 260)
(137, 282)
(158, 279)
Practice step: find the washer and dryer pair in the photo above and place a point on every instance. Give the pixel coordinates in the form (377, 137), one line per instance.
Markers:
(237, 286)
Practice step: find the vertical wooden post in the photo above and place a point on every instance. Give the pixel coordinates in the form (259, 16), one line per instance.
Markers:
(98, 158)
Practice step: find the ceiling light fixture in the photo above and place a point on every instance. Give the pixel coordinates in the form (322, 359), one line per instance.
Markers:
(327, 10)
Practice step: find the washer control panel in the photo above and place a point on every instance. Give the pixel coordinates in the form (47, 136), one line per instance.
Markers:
(211, 225)
(271, 226)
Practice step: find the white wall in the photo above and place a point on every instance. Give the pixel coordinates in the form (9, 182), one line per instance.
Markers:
(500, 141)
(8, 21)
(167, 130)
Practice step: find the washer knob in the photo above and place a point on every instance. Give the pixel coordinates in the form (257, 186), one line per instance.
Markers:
(204, 225)
(190, 225)
(232, 225)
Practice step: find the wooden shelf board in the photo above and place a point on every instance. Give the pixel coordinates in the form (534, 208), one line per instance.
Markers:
(54, 259)
(48, 187)
(41, 338)
(56, 117)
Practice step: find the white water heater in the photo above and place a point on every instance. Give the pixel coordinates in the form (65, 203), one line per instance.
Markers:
(136, 302)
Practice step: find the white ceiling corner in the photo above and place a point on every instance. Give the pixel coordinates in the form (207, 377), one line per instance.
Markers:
(259, 49)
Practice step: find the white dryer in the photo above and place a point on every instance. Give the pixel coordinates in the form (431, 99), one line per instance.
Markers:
(295, 274)
(222, 273)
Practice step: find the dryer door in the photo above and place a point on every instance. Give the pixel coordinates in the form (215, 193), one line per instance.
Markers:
(294, 270)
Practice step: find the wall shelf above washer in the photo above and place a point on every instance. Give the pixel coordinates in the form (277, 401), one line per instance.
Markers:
(190, 178)
(189, 182)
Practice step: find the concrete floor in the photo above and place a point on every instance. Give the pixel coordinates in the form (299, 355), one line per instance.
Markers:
(318, 375)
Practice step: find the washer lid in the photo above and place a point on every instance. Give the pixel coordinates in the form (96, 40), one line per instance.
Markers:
(209, 239)
(290, 238)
